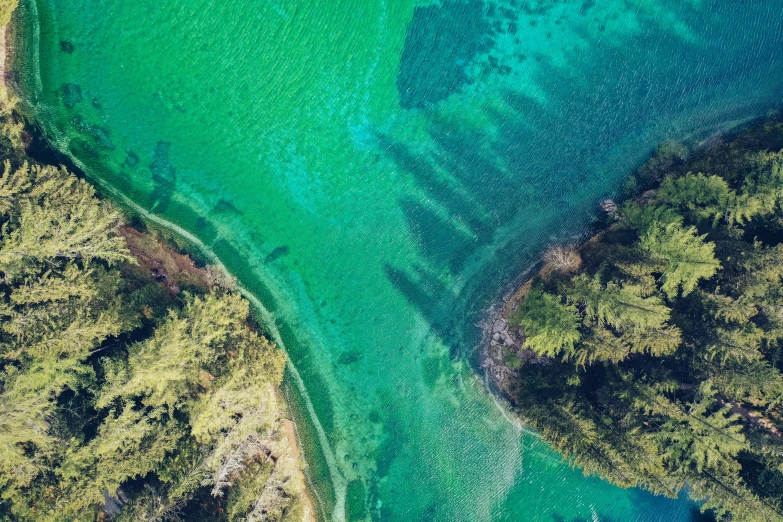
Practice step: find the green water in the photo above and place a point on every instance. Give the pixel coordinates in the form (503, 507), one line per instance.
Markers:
(373, 172)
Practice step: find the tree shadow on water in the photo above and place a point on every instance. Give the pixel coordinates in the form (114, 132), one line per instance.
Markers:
(164, 176)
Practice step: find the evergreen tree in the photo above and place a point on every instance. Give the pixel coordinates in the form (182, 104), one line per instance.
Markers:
(618, 306)
(190, 406)
(687, 256)
(59, 218)
(551, 327)
(703, 197)
(704, 439)
(671, 375)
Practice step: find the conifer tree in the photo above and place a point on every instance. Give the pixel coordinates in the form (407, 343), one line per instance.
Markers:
(621, 307)
(59, 218)
(687, 256)
(550, 326)
(704, 197)
(673, 378)
(190, 406)
(704, 439)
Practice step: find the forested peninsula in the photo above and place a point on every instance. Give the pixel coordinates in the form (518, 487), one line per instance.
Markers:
(651, 355)
(133, 384)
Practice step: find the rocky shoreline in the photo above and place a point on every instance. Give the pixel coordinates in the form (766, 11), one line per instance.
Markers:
(498, 337)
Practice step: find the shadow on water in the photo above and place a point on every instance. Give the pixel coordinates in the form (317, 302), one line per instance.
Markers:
(424, 290)
(164, 176)
(500, 173)
(438, 239)
(537, 168)
(420, 81)
(534, 157)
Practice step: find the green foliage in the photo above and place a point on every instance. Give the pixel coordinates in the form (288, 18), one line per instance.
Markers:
(641, 217)
(57, 216)
(550, 326)
(702, 439)
(620, 307)
(665, 351)
(704, 197)
(6, 9)
(111, 386)
(687, 257)
(169, 367)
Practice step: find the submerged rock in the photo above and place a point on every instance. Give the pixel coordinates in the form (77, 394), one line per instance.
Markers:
(161, 168)
(72, 94)
(100, 135)
(66, 47)
(131, 159)
(277, 253)
(609, 206)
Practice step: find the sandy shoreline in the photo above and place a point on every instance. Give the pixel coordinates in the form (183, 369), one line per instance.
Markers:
(309, 509)
(3, 61)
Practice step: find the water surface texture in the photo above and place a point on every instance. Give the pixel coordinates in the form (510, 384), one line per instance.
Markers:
(373, 171)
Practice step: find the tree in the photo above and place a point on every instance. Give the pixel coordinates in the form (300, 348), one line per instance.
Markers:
(621, 307)
(600, 344)
(705, 438)
(753, 382)
(13, 183)
(183, 354)
(129, 444)
(101, 386)
(675, 379)
(740, 343)
(727, 309)
(25, 442)
(60, 218)
(704, 197)
(687, 256)
(550, 327)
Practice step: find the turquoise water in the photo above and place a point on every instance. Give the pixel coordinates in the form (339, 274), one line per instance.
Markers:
(374, 172)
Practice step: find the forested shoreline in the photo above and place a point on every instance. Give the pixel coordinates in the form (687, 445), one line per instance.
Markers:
(133, 385)
(651, 355)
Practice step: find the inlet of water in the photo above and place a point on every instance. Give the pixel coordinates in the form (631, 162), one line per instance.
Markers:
(373, 172)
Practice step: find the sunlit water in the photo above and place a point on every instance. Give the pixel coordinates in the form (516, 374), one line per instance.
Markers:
(373, 172)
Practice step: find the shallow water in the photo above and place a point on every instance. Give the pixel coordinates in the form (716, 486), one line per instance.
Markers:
(374, 172)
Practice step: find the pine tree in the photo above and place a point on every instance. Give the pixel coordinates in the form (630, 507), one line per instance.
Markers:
(688, 257)
(600, 344)
(182, 355)
(192, 405)
(13, 184)
(740, 343)
(551, 327)
(754, 382)
(129, 444)
(675, 379)
(621, 307)
(703, 197)
(727, 309)
(704, 439)
(60, 218)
